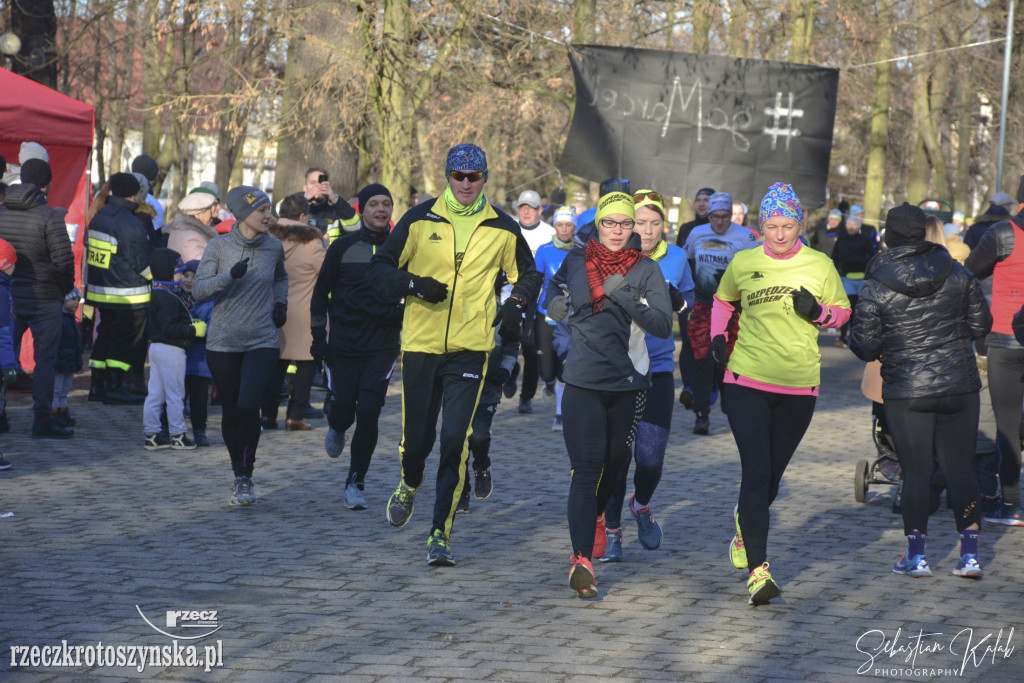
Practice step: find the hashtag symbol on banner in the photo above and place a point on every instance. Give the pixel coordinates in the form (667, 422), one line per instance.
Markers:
(777, 113)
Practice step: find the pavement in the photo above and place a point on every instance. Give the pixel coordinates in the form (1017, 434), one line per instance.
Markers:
(120, 553)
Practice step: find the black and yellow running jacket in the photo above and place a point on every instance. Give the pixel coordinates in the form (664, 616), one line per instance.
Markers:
(423, 244)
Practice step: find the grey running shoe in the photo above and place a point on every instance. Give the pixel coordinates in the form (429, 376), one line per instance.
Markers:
(181, 442)
(354, 497)
(702, 424)
(482, 483)
(156, 442)
(648, 531)
(525, 405)
(401, 504)
(556, 426)
(334, 443)
(243, 492)
(439, 553)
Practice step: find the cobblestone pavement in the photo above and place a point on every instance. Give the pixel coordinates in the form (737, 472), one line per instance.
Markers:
(104, 532)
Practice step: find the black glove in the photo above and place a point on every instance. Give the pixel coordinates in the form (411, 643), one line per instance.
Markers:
(676, 297)
(280, 314)
(428, 289)
(498, 376)
(319, 349)
(238, 270)
(805, 304)
(510, 317)
(718, 350)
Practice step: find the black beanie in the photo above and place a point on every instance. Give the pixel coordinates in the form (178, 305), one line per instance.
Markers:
(37, 172)
(124, 185)
(904, 224)
(147, 166)
(372, 191)
(162, 264)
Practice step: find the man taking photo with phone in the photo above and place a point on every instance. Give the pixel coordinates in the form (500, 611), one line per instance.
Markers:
(327, 211)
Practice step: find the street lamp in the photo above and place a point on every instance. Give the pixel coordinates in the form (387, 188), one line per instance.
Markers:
(842, 171)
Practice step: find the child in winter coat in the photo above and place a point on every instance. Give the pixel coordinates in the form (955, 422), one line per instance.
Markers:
(171, 330)
(69, 359)
(197, 372)
(8, 359)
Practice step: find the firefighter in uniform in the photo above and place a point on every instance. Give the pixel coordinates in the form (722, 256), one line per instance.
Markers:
(118, 285)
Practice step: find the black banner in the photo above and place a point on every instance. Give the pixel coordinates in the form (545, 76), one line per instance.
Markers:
(677, 122)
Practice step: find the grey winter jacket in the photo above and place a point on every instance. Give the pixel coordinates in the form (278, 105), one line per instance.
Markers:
(918, 313)
(242, 309)
(45, 270)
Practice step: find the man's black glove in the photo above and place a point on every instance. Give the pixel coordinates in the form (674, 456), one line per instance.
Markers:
(499, 375)
(319, 349)
(238, 270)
(510, 317)
(676, 298)
(280, 314)
(718, 350)
(805, 304)
(428, 289)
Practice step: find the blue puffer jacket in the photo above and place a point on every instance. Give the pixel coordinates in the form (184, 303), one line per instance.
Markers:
(195, 355)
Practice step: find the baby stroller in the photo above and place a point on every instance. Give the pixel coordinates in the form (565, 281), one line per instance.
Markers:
(885, 469)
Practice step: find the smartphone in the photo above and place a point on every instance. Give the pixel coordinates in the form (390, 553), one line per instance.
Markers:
(323, 178)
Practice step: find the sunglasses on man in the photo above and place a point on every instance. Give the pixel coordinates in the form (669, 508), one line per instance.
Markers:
(471, 176)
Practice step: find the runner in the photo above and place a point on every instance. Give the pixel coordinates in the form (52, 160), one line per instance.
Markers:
(617, 293)
(652, 433)
(773, 374)
(549, 258)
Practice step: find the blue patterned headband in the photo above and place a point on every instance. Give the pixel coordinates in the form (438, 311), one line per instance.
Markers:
(465, 157)
(781, 201)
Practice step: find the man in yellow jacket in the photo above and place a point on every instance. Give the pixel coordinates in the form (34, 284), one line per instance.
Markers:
(445, 257)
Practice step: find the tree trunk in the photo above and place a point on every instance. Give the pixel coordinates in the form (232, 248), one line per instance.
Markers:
(965, 123)
(584, 22)
(879, 136)
(36, 22)
(917, 181)
(802, 12)
(701, 27)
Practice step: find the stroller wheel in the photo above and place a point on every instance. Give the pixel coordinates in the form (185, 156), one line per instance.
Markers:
(860, 481)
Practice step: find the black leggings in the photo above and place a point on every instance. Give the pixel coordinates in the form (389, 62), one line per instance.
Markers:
(550, 366)
(767, 428)
(198, 390)
(359, 385)
(648, 448)
(298, 398)
(944, 429)
(1005, 367)
(598, 428)
(241, 377)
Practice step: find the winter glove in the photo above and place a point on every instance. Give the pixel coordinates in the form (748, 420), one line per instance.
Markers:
(200, 327)
(510, 317)
(613, 283)
(676, 297)
(498, 376)
(718, 350)
(238, 270)
(319, 349)
(805, 304)
(280, 314)
(428, 289)
(559, 306)
(10, 374)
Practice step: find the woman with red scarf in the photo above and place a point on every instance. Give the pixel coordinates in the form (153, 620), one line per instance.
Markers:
(612, 294)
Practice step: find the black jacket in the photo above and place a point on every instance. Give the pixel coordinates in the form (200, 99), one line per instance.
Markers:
(364, 320)
(918, 313)
(45, 270)
(169, 321)
(851, 253)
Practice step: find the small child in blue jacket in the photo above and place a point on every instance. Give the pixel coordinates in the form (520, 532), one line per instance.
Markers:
(8, 359)
(69, 359)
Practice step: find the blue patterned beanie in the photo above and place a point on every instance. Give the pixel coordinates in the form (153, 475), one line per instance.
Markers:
(781, 201)
(465, 157)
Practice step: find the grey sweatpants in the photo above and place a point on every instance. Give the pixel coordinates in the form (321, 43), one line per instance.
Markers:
(166, 386)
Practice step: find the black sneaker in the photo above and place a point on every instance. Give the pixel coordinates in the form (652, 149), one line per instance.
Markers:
(702, 424)
(482, 483)
(47, 429)
(202, 441)
(463, 506)
(157, 441)
(439, 553)
(181, 442)
(525, 405)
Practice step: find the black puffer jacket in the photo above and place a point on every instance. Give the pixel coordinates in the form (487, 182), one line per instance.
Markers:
(918, 313)
(45, 271)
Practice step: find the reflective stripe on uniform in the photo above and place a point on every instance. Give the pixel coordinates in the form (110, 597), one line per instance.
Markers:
(98, 364)
(117, 295)
(120, 365)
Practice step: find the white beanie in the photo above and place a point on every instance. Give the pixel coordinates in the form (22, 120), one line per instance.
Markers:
(196, 203)
(32, 150)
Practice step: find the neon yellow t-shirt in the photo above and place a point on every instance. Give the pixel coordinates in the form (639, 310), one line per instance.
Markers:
(775, 343)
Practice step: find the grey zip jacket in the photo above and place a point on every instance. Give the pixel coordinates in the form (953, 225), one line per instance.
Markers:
(243, 308)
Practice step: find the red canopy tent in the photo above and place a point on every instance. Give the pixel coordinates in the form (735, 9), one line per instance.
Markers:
(31, 112)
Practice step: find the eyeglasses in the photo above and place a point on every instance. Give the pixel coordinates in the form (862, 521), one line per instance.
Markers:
(649, 194)
(472, 176)
(609, 224)
(720, 216)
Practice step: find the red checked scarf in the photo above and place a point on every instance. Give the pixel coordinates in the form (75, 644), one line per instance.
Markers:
(601, 262)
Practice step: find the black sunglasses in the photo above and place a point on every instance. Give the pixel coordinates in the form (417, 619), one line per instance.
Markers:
(471, 176)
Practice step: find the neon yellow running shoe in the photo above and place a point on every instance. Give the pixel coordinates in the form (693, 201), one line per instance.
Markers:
(761, 586)
(737, 551)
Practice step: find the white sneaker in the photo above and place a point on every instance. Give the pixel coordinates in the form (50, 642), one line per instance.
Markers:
(354, 497)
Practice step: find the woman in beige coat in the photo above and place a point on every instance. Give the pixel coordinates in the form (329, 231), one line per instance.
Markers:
(190, 231)
(303, 255)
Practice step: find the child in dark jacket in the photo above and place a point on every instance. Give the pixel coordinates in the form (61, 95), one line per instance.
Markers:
(69, 359)
(170, 330)
(197, 372)
(8, 359)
